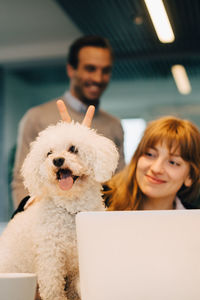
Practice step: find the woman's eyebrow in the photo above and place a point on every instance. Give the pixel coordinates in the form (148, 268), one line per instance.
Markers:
(174, 154)
(152, 147)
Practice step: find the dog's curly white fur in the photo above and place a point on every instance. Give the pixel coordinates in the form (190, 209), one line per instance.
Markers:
(63, 173)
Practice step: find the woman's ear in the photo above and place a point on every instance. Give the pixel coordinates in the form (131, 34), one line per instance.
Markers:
(188, 181)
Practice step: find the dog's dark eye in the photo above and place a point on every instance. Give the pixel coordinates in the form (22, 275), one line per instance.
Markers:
(49, 153)
(73, 149)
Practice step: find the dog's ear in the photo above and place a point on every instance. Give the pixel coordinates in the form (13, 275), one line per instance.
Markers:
(30, 169)
(106, 159)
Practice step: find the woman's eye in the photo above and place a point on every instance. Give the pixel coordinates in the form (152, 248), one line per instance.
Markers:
(174, 163)
(73, 149)
(149, 154)
(49, 153)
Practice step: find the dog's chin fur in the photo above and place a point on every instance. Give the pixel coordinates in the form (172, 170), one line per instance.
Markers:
(42, 239)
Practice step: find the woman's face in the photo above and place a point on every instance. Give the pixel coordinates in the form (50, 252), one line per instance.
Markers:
(160, 174)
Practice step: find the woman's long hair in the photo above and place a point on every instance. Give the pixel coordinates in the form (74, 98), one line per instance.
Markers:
(123, 192)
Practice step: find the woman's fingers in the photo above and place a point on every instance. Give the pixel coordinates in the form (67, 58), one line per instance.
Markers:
(63, 111)
(87, 121)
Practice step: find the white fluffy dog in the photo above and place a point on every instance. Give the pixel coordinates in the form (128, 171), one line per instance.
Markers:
(63, 173)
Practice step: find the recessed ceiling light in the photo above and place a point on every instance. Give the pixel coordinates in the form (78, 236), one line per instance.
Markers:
(181, 79)
(138, 20)
(160, 20)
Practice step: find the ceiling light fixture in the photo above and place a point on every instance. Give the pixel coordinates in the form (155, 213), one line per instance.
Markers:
(138, 20)
(160, 20)
(181, 79)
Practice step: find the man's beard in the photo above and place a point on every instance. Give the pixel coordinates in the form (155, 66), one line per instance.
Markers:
(88, 102)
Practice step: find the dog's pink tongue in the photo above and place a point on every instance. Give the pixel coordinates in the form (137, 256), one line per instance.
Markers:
(66, 183)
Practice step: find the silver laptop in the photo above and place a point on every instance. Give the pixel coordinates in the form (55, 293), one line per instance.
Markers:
(139, 255)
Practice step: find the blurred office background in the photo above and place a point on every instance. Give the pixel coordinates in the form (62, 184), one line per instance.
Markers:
(34, 39)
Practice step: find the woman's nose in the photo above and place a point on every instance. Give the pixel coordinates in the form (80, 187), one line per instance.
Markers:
(157, 166)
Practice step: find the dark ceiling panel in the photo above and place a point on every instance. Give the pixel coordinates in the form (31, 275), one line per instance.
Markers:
(138, 51)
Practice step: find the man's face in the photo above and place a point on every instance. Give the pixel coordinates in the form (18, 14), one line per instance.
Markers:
(92, 75)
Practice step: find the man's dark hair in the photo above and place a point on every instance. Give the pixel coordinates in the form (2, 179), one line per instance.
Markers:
(90, 40)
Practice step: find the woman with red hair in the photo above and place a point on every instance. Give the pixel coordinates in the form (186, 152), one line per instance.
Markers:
(164, 172)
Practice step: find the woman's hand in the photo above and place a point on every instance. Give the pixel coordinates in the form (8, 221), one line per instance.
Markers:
(87, 121)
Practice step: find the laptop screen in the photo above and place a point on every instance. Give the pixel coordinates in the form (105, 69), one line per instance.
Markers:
(139, 255)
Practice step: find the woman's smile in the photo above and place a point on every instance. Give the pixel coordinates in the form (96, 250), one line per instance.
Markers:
(155, 180)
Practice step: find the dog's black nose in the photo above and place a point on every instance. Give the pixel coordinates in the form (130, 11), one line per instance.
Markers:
(58, 162)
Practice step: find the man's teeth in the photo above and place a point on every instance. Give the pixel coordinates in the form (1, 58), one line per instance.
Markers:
(94, 88)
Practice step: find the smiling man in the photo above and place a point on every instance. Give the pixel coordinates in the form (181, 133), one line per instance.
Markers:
(89, 68)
